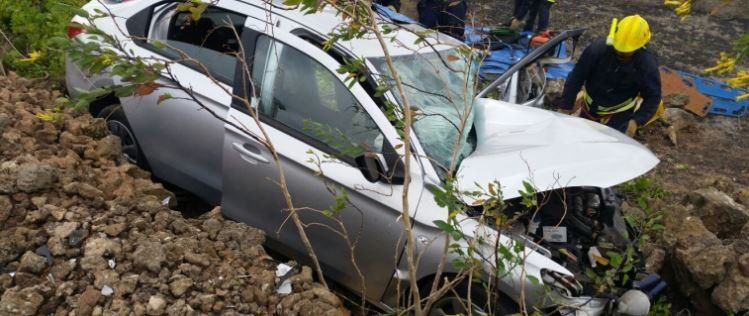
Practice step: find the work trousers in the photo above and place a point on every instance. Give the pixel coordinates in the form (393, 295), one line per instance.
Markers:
(540, 8)
(533, 9)
(520, 9)
(444, 17)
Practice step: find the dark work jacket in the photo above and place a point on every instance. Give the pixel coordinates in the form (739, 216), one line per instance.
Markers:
(610, 82)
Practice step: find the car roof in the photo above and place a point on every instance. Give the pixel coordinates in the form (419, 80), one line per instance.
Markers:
(404, 40)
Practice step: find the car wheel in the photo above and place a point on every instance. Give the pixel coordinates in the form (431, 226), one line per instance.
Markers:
(118, 125)
(453, 305)
(455, 302)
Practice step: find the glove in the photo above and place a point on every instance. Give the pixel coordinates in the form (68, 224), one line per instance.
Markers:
(560, 107)
(631, 128)
(516, 24)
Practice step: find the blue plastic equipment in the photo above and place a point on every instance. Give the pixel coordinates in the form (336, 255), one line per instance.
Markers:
(723, 95)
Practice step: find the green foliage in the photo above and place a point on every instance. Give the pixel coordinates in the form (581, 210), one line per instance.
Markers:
(355, 70)
(617, 272)
(339, 204)
(661, 308)
(528, 195)
(31, 25)
(195, 7)
(644, 192)
(741, 46)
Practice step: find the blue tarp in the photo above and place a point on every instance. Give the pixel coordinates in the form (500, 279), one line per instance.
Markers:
(499, 60)
(393, 16)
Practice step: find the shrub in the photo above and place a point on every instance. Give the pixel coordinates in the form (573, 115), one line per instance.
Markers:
(30, 26)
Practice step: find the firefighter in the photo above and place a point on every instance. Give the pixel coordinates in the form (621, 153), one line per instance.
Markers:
(616, 81)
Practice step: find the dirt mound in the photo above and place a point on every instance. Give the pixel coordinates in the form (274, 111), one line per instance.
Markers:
(81, 231)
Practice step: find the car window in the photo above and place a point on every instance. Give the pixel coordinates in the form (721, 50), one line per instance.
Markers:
(210, 40)
(301, 94)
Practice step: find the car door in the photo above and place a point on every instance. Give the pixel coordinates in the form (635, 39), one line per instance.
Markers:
(182, 137)
(311, 116)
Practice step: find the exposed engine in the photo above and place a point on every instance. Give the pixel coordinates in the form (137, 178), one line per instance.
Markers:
(579, 226)
(583, 229)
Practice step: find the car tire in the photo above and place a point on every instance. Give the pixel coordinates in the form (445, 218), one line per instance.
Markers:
(454, 302)
(118, 125)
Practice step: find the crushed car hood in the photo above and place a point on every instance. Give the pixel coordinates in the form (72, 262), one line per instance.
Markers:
(550, 150)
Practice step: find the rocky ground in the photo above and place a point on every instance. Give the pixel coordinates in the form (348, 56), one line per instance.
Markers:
(706, 211)
(84, 234)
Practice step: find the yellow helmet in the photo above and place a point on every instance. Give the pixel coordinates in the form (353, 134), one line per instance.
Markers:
(630, 34)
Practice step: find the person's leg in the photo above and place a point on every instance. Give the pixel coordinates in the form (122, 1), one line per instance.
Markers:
(544, 12)
(453, 17)
(619, 121)
(532, 12)
(428, 13)
(520, 9)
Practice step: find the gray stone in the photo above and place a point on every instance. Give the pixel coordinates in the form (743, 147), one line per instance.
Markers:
(109, 147)
(33, 177)
(179, 308)
(96, 252)
(180, 285)
(326, 296)
(88, 300)
(20, 302)
(654, 261)
(127, 284)
(62, 230)
(8, 176)
(212, 226)
(105, 277)
(156, 305)
(702, 255)
(114, 229)
(5, 120)
(58, 213)
(5, 208)
(32, 263)
(149, 255)
(732, 295)
(719, 212)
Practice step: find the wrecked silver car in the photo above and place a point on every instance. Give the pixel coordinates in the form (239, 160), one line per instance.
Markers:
(301, 92)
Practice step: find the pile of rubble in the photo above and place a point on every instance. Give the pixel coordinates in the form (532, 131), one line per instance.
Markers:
(81, 232)
(711, 251)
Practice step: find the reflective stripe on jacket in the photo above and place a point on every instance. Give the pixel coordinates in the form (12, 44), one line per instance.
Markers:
(611, 82)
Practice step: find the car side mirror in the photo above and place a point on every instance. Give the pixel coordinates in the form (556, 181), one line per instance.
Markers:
(386, 167)
(395, 173)
(370, 166)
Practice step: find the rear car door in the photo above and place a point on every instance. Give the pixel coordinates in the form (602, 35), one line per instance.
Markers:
(318, 126)
(181, 136)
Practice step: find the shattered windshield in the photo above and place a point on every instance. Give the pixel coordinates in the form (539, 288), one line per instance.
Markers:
(440, 87)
